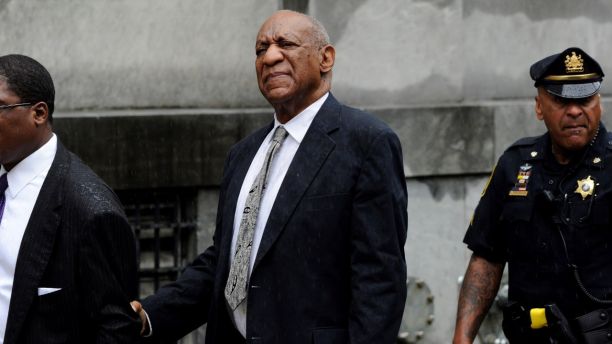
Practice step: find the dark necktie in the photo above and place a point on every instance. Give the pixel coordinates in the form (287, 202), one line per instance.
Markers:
(3, 186)
(237, 281)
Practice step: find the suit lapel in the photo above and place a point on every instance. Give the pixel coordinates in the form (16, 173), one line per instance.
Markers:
(37, 244)
(310, 156)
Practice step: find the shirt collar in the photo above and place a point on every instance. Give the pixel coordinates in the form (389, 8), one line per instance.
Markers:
(298, 125)
(29, 168)
(592, 155)
(597, 152)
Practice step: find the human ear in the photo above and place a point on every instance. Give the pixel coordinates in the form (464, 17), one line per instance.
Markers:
(538, 108)
(328, 56)
(41, 113)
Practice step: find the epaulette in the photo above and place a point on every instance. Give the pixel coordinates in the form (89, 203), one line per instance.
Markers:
(525, 141)
(530, 148)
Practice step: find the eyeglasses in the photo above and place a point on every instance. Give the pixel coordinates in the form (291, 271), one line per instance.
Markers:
(10, 106)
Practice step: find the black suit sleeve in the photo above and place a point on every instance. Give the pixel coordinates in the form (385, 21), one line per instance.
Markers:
(181, 306)
(379, 228)
(108, 278)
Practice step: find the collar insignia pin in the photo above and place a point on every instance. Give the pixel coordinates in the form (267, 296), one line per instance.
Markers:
(597, 160)
(534, 154)
(585, 187)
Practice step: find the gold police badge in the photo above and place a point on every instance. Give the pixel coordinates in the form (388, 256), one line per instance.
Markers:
(585, 187)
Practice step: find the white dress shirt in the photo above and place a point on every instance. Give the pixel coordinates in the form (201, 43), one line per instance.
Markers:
(24, 183)
(296, 129)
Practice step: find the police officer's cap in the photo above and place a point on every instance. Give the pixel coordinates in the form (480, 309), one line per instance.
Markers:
(569, 74)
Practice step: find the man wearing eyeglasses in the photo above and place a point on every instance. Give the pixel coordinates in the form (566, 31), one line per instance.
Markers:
(546, 212)
(67, 253)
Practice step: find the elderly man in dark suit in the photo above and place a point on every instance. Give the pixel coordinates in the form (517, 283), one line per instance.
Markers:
(311, 223)
(67, 253)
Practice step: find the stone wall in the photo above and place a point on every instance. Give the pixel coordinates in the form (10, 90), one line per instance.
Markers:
(405, 52)
(160, 54)
(152, 93)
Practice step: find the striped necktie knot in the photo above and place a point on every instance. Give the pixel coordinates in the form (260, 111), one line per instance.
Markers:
(3, 182)
(3, 187)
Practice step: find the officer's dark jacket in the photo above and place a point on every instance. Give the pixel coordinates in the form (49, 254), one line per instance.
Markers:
(516, 223)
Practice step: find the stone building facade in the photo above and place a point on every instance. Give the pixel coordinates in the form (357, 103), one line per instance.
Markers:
(153, 93)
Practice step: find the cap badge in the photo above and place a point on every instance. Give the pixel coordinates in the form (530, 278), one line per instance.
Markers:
(522, 179)
(574, 63)
(585, 187)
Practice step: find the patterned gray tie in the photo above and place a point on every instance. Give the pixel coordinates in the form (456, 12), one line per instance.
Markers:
(237, 281)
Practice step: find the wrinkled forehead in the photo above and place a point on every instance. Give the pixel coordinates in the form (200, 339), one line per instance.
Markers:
(287, 26)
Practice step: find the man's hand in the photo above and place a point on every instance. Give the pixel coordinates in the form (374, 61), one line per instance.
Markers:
(137, 307)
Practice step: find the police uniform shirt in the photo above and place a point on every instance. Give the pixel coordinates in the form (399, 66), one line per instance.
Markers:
(528, 198)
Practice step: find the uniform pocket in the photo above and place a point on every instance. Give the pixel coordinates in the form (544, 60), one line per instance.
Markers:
(591, 212)
(525, 240)
(517, 211)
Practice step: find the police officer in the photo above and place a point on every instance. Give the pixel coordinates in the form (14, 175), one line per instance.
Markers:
(546, 212)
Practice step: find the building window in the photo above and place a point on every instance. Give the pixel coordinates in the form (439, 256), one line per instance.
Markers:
(165, 225)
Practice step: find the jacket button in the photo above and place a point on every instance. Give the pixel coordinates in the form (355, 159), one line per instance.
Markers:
(603, 315)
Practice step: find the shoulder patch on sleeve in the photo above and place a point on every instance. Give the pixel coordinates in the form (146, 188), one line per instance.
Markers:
(484, 190)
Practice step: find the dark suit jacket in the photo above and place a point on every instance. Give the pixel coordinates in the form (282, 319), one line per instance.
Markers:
(330, 267)
(77, 239)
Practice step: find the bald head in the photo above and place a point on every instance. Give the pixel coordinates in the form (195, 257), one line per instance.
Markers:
(317, 31)
(294, 61)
